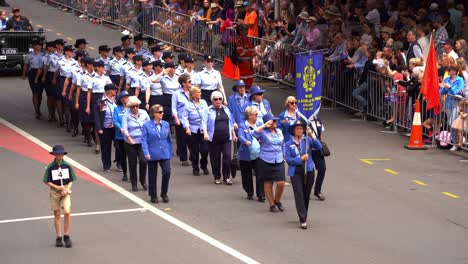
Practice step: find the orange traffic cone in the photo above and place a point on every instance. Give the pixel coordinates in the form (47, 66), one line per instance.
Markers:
(415, 141)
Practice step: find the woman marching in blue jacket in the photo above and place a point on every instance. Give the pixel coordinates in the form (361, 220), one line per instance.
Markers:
(301, 167)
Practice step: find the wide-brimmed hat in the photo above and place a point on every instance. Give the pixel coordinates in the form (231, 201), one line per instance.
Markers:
(255, 90)
(295, 124)
(122, 94)
(269, 117)
(304, 15)
(237, 84)
(58, 149)
(387, 30)
(333, 10)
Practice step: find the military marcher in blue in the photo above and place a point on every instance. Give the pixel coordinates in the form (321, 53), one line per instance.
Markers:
(154, 92)
(209, 80)
(135, 75)
(132, 125)
(193, 118)
(95, 92)
(249, 152)
(156, 143)
(237, 101)
(179, 102)
(66, 67)
(139, 50)
(104, 123)
(116, 68)
(156, 54)
(181, 68)
(80, 45)
(47, 80)
(271, 162)
(220, 128)
(170, 84)
(86, 119)
(33, 65)
(60, 176)
(104, 56)
(119, 111)
(71, 94)
(257, 101)
(53, 73)
(298, 152)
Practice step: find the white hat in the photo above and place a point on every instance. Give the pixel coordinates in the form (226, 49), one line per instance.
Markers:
(434, 7)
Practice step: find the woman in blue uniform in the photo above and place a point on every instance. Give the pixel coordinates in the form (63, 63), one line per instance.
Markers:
(220, 128)
(271, 161)
(195, 114)
(249, 151)
(132, 124)
(298, 152)
(86, 119)
(33, 68)
(119, 112)
(289, 116)
(157, 147)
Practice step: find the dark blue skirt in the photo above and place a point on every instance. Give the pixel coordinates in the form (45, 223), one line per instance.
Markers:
(84, 117)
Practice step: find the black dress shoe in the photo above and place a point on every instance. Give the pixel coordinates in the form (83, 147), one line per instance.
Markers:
(165, 198)
(59, 242)
(134, 188)
(273, 209)
(125, 178)
(206, 171)
(320, 196)
(249, 196)
(196, 173)
(145, 187)
(154, 200)
(280, 206)
(261, 199)
(67, 240)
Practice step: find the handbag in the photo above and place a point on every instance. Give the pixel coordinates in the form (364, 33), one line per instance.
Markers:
(325, 150)
(235, 165)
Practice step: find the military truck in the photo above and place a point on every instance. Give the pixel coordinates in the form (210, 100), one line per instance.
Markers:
(14, 45)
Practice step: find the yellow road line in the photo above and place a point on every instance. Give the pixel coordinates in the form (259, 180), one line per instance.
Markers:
(58, 34)
(48, 29)
(369, 161)
(420, 183)
(391, 171)
(68, 38)
(451, 195)
(38, 25)
(92, 48)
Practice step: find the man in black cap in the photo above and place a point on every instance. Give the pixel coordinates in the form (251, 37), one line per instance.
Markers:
(104, 124)
(104, 56)
(80, 44)
(59, 177)
(33, 67)
(18, 22)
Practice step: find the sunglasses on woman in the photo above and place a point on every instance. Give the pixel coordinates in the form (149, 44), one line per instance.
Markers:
(217, 99)
(292, 103)
(135, 106)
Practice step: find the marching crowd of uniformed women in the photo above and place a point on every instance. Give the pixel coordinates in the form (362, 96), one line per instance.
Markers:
(136, 99)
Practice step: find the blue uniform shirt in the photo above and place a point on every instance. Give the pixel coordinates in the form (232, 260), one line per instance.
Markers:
(195, 116)
(133, 125)
(119, 112)
(115, 67)
(53, 61)
(84, 79)
(236, 106)
(271, 145)
(34, 60)
(66, 67)
(179, 100)
(155, 85)
(135, 77)
(106, 62)
(209, 80)
(97, 82)
(170, 85)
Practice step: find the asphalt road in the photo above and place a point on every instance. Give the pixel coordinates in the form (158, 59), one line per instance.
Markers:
(406, 207)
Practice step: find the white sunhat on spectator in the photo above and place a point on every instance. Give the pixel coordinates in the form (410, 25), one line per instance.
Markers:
(379, 62)
(434, 7)
(304, 15)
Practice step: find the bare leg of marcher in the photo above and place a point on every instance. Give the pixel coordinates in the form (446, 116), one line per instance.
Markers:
(268, 188)
(66, 223)
(57, 223)
(279, 191)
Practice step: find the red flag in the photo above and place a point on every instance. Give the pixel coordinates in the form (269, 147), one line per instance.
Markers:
(430, 82)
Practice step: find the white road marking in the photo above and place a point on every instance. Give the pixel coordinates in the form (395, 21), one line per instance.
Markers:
(76, 214)
(195, 232)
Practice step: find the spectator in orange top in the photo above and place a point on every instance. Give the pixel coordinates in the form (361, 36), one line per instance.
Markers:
(251, 20)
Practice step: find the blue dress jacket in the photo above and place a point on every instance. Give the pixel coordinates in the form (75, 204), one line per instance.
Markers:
(119, 112)
(285, 122)
(157, 144)
(236, 106)
(245, 135)
(293, 157)
(210, 122)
